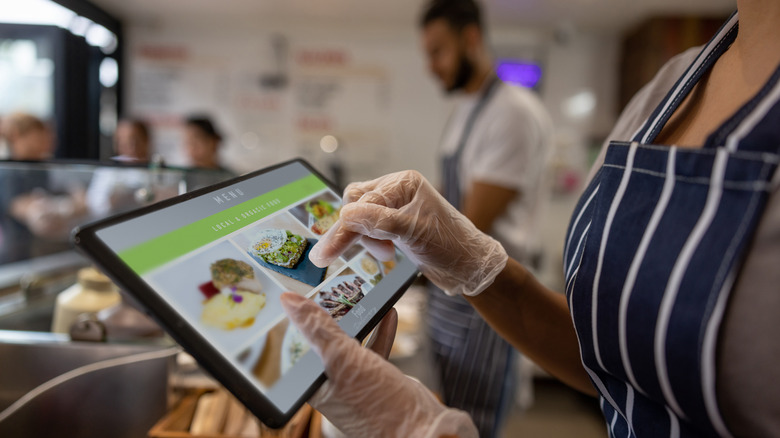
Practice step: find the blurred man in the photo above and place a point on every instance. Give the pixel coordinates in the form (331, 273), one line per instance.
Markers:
(27, 136)
(28, 139)
(113, 189)
(493, 155)
(131, 141)
(201, 143)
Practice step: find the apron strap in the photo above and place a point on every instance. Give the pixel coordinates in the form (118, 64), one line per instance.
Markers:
(751, 128)
(706, 58)
(450, 163)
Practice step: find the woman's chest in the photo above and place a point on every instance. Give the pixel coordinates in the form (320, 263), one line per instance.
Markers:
(651, 258)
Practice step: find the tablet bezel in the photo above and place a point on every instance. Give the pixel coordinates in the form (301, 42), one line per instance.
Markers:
(220, 367)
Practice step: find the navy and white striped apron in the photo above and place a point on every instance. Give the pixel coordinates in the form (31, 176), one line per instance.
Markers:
(475, 366)
(652, 253)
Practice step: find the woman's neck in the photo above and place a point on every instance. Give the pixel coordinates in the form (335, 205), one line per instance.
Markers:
(735, 78)
(758, 41)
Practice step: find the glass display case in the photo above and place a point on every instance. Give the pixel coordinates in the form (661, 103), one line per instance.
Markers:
(43, 201)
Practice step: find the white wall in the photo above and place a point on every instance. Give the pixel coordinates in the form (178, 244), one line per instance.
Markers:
(386, 108)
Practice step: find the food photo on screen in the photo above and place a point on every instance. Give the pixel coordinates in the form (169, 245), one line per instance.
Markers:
(281, 246)
(319, 213)
(223, 293)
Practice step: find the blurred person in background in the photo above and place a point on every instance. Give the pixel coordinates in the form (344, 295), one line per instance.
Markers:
(28, 138)
(201, 142)
(114, 189)
(494, 152)
(132, 141)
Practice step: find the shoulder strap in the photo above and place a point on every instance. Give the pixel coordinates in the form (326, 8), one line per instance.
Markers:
(481, 103)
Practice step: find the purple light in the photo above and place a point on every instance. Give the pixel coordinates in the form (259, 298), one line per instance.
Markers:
(520, 73)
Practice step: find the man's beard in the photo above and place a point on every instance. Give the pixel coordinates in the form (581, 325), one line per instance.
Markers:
(463, 75)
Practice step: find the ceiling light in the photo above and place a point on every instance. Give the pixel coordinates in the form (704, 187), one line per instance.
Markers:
(43, 12)
(109, 72)
(580, 105)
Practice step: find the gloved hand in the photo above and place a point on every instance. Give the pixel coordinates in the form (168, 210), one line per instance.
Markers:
(405, 208)
(365, 395)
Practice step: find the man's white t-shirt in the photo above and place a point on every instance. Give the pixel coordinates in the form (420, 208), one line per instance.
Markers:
(509, 146)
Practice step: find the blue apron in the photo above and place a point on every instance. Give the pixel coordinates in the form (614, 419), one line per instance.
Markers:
(652, 253)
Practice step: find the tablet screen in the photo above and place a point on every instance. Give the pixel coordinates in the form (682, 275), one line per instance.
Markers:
(221, 261)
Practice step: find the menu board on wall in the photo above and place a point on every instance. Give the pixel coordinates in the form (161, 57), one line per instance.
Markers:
(268, 107)
(335, 94)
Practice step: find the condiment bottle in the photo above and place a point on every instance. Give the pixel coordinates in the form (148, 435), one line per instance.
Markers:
(92, 293)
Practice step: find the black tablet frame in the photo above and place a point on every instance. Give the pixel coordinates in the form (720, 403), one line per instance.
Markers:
(220, 367)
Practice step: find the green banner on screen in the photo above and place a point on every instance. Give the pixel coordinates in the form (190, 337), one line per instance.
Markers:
(156, 252)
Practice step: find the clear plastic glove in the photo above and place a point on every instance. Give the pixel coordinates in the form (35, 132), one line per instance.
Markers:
(365, 395)
(405, 208)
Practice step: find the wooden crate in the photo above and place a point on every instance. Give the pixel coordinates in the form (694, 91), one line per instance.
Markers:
(178, 422)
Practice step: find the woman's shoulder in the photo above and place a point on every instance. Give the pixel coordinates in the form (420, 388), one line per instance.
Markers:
(645, 101)
(650, 96)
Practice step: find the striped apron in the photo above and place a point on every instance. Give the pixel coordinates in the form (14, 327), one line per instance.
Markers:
(474, 365)
(652, 253)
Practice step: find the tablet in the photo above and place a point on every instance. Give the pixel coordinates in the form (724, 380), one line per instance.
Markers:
(210, 267)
